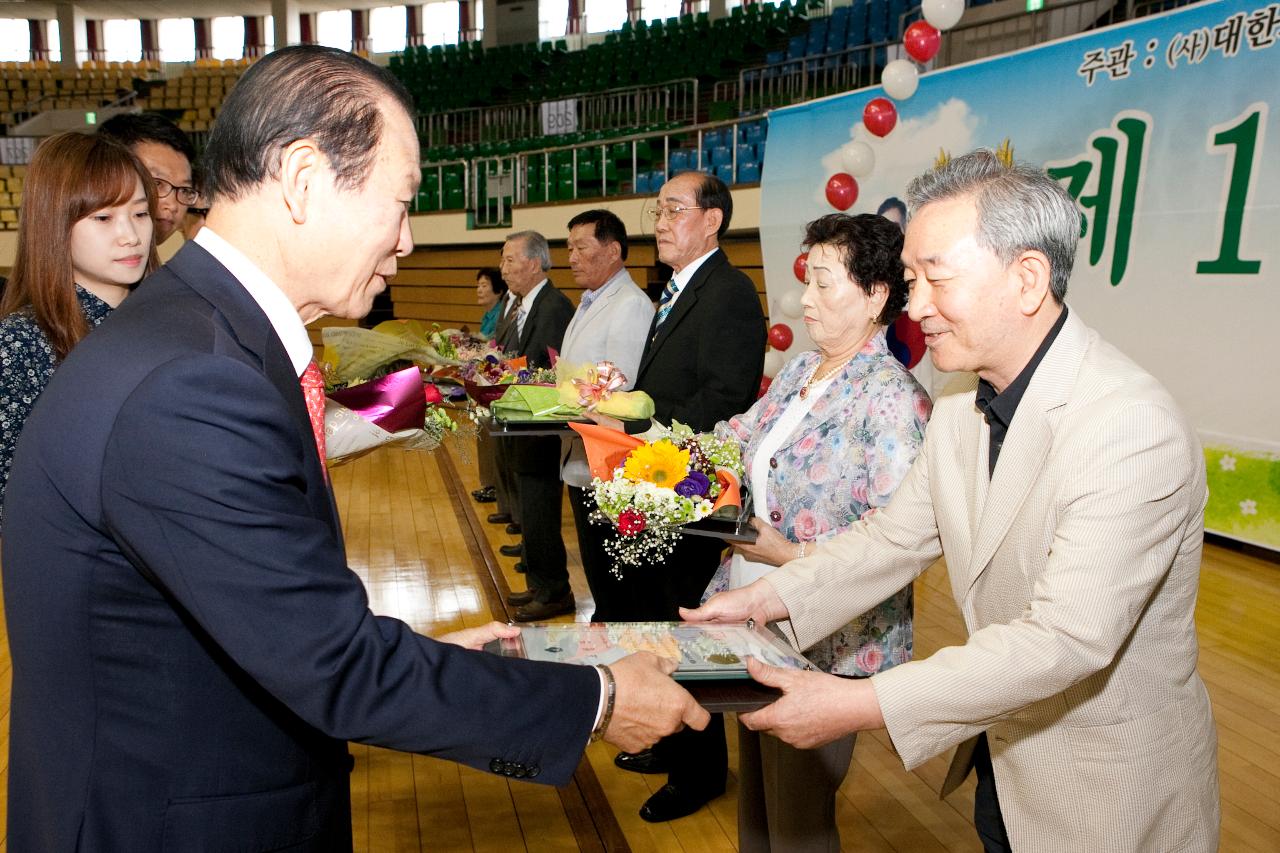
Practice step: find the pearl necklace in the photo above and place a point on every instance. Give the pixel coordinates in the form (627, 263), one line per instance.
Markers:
(814, 378)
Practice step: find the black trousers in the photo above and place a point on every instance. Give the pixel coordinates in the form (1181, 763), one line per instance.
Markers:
(546, 568)
(595, 560)
(536, 464)
(698, 761)
(987, 818)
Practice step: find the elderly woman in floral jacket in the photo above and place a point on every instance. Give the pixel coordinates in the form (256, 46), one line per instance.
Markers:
(828, 443)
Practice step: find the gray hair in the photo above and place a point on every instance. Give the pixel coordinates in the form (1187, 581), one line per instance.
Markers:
(535, 247)
(1020, 208)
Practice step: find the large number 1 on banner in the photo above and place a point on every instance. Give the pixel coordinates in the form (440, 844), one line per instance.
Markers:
(1245, 136)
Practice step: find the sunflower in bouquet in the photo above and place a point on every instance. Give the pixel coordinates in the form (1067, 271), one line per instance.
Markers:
(675, 478)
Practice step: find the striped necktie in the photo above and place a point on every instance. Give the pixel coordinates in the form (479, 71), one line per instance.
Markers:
(667, 302)
(509, 335)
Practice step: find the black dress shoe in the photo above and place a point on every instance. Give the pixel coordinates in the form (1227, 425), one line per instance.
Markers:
(536, 611)
(640, 762)
(485, 495)
(519, 599)
(514, 529)
(499, 518)
(670, 803)
(520, 568)
(511, 550)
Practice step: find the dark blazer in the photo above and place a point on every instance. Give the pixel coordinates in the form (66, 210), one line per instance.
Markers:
(544, 327)
(190, 650)
(703, 365)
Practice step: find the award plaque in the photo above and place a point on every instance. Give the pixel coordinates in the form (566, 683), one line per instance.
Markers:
(710, 659)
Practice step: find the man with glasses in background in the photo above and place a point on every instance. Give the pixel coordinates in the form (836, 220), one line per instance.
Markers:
(168, 155)
(702, 364)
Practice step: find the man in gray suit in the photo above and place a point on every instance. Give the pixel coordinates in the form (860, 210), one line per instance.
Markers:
(610, 325)
(1066, 490)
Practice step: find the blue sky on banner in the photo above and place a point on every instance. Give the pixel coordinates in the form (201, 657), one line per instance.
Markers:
(1179, 114)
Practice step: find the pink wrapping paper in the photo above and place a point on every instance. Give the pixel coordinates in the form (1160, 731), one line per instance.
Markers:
(394, 402)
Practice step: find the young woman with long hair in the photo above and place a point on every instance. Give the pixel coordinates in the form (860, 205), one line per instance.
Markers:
(84, 241)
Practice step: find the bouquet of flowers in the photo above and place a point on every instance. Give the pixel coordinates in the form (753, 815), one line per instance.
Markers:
(646, 490)
(355, 355)
(488, 378)
(577, 389)
(394, 410)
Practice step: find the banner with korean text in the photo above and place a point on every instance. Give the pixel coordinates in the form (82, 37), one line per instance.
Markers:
(1164, 130)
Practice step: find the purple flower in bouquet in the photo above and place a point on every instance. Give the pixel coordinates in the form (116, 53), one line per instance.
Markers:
(523, 376)
(696, 484)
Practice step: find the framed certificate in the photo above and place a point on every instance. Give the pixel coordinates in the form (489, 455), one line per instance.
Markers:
(701, 652)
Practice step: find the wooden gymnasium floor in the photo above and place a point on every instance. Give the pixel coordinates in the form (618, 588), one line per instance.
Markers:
(426, 556)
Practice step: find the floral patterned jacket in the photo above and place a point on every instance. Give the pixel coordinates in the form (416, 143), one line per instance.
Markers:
(844, 460)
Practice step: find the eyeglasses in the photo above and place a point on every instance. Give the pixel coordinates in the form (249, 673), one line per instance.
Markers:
(186, 195)
(669, 213)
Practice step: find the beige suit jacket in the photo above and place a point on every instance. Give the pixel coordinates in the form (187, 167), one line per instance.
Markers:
(1076, 567)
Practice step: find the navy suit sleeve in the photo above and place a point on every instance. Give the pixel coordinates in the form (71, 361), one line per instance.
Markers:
(204, 488)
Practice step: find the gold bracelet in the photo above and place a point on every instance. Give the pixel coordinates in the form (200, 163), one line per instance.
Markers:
(607, 716)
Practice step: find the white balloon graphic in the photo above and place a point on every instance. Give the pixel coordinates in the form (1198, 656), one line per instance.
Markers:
(790, 305)
(900, 79)
(858, 158)
(773, 361)
(943, 14)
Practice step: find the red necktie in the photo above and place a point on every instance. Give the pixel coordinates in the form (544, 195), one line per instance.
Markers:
(313, 392)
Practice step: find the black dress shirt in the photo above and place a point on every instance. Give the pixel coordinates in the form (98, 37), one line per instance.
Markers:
(999, 409)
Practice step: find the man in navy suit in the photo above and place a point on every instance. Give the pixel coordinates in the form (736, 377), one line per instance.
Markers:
(190, 650)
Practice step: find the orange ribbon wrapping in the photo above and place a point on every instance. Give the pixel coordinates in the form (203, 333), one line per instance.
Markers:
(607, 449)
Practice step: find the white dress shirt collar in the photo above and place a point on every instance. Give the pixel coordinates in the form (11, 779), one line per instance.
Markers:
(270, 298)
(685, 275)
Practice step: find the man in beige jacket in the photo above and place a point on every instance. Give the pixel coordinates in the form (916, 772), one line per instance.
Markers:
(1066, 490)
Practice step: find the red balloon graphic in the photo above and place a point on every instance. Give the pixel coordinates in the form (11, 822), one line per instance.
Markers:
(765, 382)
(922, 41)
(880, 116)
(906, 340)
(799, 266)
(780, 336)
(842, 191)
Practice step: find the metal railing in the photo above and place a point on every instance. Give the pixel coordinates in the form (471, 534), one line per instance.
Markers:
(496, 184)
(984, 37)
(610, 110)
(793, 80)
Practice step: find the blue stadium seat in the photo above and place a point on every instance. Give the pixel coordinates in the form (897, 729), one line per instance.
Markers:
(749, 173)
(724, 173)
(857, 31)
(680, 160)
(746, 153)
(721, 155)
(642, 183)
